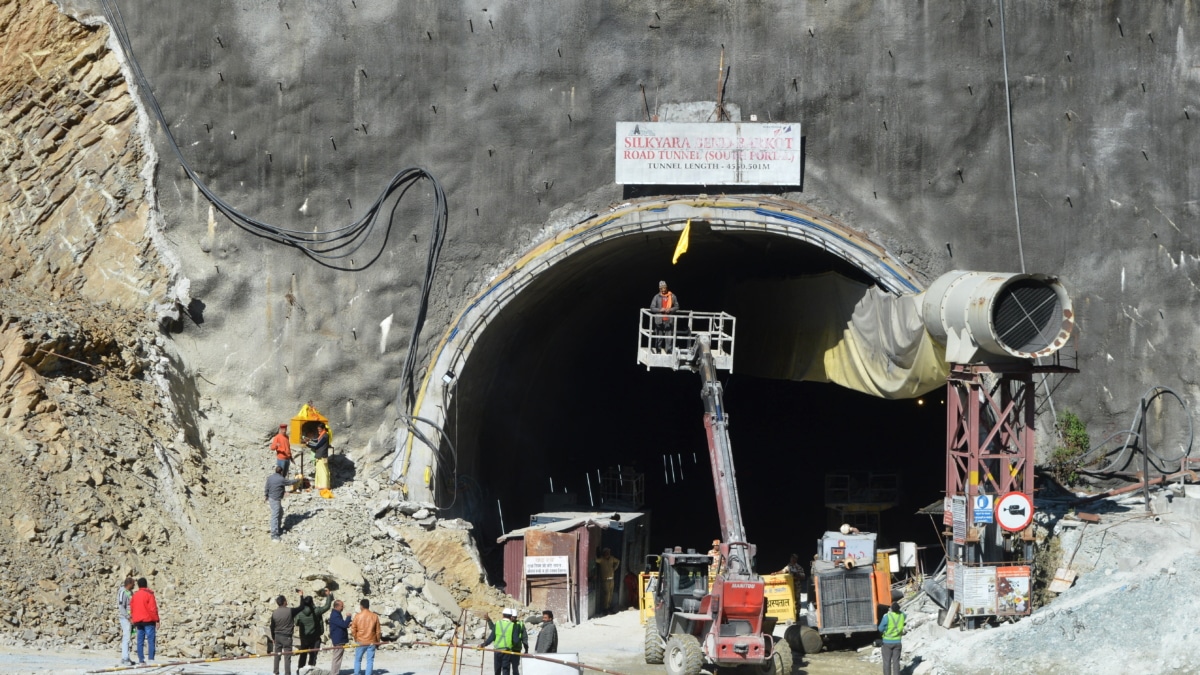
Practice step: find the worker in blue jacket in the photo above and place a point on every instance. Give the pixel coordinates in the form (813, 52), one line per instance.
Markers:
(339, 635)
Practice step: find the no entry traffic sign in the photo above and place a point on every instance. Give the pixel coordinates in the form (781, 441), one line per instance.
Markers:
(1014, 511)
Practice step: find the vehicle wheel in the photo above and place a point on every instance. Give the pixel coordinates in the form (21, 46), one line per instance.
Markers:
(683, 655)
(782, 658)
(811, 640)
(653, 644)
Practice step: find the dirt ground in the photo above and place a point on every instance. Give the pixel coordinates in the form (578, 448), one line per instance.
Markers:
(613, 643)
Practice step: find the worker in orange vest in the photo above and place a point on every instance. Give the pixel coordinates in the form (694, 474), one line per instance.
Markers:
(665, 304)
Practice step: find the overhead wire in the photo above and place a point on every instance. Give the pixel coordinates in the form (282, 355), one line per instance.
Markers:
(325, 247)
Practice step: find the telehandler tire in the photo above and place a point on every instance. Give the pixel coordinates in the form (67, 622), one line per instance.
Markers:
(781, 659)
(653, 644)
(683, 655)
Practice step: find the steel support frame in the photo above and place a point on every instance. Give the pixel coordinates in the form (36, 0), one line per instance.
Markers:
(989, 431)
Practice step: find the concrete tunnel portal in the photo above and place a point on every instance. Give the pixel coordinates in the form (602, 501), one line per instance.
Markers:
(546, 390)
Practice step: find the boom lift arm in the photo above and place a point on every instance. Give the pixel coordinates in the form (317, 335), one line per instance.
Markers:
(727, 626)
(738, 553)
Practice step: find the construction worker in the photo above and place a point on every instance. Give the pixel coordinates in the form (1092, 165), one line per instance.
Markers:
(320, 448)
(892, 628)
(664, 303)
(606, 568)
(283, 449)
(796, 569)
(714, 567)
(506, 637)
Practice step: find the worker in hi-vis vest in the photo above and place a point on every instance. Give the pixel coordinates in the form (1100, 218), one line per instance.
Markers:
(892, 627)
(665, 304)
(507, 636)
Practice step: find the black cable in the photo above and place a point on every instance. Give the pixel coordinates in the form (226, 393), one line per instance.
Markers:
(322, 246)
(1132, 435)
(444, 461)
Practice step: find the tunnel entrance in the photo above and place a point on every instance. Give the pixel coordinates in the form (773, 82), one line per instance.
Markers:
(551, 393)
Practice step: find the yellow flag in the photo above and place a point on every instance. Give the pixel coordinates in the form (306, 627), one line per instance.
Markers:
(681, 247)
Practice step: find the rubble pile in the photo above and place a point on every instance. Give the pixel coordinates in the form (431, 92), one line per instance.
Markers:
(1131, 608)
(102, 483)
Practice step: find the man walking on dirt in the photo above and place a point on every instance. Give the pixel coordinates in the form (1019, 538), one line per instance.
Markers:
(283, 449)
(273, 495)
(124, 596)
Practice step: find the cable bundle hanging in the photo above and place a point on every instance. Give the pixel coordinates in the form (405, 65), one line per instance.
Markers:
(326, 247)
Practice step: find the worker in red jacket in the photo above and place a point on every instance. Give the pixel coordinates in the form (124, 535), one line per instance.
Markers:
(143, 612)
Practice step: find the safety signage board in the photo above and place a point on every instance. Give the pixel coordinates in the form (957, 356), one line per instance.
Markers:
(546, 564)
(982, 509)
(958, 506)
(1012, 590)
(1014, 511)
(977, 592)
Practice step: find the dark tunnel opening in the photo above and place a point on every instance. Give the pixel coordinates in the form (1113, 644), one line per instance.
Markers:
(552, 393)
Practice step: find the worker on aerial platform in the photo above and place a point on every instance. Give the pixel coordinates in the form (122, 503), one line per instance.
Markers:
(664, 303)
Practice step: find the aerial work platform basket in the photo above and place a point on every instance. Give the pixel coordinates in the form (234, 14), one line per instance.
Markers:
(669, 340)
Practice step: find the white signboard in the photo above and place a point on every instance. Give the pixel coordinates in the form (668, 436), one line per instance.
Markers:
(717, 153)
(1014, 511)
(545, 564)
(958, 508)
(539, 667)
(977, 593)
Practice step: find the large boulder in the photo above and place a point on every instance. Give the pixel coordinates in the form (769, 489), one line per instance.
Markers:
(347, 571)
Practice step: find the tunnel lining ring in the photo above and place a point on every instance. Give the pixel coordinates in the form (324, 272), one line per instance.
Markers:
(414, 463)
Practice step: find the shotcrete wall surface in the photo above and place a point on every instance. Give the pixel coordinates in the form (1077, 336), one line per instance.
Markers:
(298, 114)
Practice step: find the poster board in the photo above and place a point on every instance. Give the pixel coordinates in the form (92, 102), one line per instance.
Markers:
(1013, 585)
(977, 594)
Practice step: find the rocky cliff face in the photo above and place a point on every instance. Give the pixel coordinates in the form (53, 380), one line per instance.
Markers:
(76, 204)
(114, 464)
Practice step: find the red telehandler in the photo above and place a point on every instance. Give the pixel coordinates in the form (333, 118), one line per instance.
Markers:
(694, 626)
